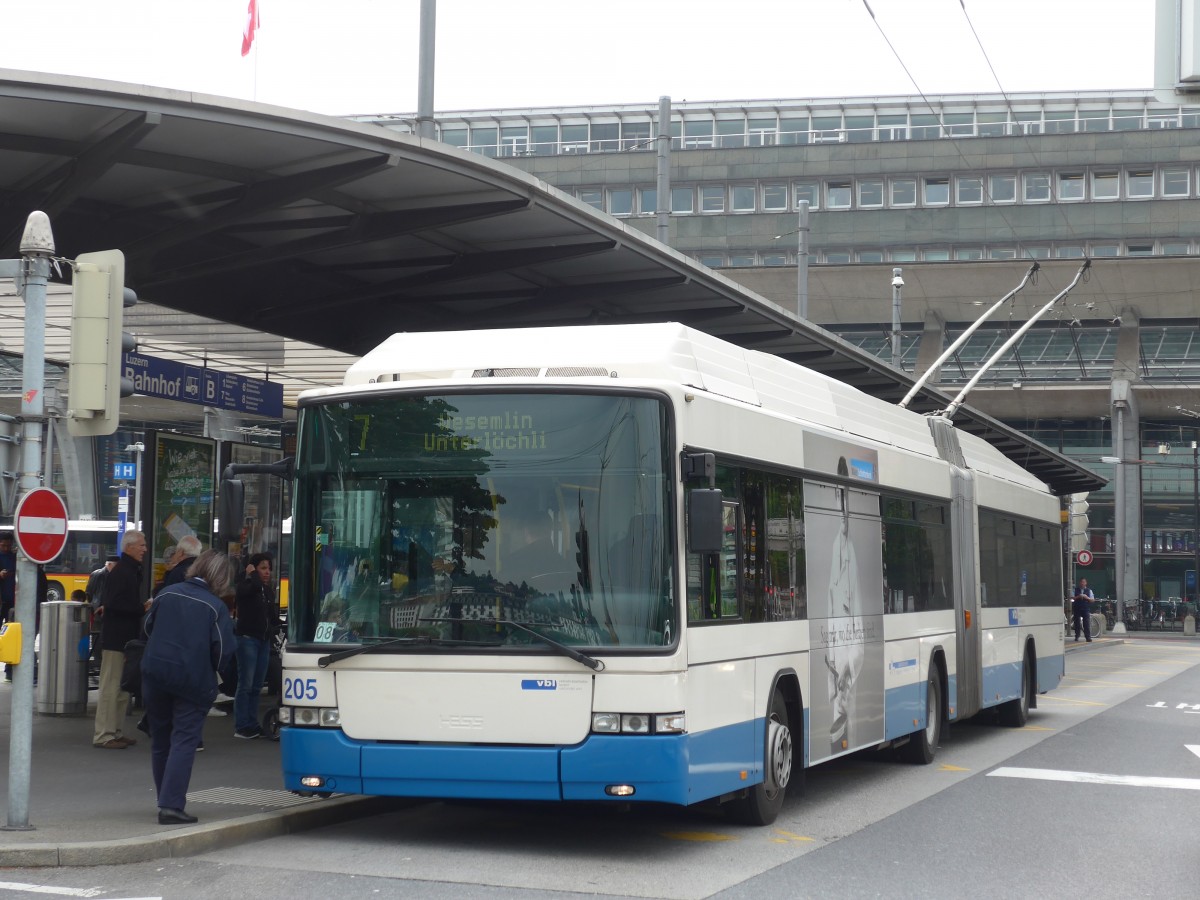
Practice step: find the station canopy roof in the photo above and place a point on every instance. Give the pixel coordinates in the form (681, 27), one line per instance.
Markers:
(283, 244)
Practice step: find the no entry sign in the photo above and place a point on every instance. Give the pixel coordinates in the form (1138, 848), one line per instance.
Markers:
(1084, 558)
(40, 525)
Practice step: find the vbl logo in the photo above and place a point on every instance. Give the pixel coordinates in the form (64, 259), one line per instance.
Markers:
(539, 684)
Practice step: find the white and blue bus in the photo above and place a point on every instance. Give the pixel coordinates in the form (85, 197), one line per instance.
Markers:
(637, 563)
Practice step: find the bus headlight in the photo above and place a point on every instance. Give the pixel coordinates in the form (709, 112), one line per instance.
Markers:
(639, 723)
(310, 716)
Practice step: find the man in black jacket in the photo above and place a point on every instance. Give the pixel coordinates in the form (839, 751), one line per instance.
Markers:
(120, 624)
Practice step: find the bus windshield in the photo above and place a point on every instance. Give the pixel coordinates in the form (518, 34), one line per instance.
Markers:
(473, 520)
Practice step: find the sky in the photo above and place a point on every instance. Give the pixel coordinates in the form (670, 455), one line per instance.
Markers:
(361, 56)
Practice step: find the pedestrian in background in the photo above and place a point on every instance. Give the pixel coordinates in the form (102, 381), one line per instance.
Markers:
(120, 623)
(181, 559)
(8, 576)
(256, 624)
(1081, 610)
(190, 637)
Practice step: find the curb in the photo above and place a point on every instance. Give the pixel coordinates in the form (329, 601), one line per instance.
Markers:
(196, 839)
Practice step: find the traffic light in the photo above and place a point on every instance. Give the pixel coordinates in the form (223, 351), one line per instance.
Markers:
(95, 384)
(1079, 523)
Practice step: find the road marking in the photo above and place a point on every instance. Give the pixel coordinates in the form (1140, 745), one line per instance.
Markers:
(788, 837)
(946, 767)
(702, 836)
(1180, 784)
(61, 891)
(1056, 698)
(1195, 748)
(1036, 728)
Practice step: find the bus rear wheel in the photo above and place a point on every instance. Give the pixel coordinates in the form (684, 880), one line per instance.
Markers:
(762, 803)
(1015, 713)
(922, 746)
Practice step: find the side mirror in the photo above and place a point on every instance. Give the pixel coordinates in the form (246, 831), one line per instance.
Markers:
(233, 506)
(705, 521)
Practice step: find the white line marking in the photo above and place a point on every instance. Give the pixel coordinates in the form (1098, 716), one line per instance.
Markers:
(1195, 748)
(43, 889)
(1182, 784)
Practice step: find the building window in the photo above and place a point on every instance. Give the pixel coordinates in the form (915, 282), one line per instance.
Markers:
(1059, 122)
(1105, 186)
(606, 137)
(969, 189)
(1127, 120)
(1106, 250)
(774, 259)
(1035, 252)
(1070, 186)
(774, 197)
(992, 124)
(762, 132)
(697, 135)
(742, 260)
(935, 255)
(968, 253)
(545, 140)
(514, 141)
(1140, 250)
(903, 255)
(592, 198)
(870, 256)
(1176, 182)
(1176, 248)
(712, 198)
(1002, 253)
(731, 133)
(620, 201)
(1139, 184)
(635, 135)
(807, 190)
(574, 139)
(860, 129)
(837, 195)
(837, 257)
(892, 126)
(455, 137)
(1037, 187)
(713, 260)
(794, 130)
(647, 200)
(1002, 188)
(683, 201)
(904, 192)
(870, 192)
(1068, 251)
(742, 196)
(937, 191)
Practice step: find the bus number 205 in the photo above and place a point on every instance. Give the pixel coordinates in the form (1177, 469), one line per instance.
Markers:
(299, 689)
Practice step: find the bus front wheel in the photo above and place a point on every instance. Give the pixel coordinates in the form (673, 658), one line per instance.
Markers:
(762, 802)
(55, 592)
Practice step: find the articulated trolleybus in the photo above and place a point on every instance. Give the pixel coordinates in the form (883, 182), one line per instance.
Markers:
(637, 563)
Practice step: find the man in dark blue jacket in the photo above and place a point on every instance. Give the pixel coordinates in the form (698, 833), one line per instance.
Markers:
(190, 637)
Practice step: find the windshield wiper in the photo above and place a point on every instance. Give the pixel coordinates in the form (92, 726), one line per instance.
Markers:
(590, 661)
(325, 661)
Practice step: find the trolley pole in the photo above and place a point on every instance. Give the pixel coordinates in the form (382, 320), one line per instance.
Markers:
(32, 272)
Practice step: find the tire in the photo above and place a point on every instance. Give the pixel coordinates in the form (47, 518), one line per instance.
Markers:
(1015, 713)
(270, 724)
(762, 803)
(922, 746)
(55, 592)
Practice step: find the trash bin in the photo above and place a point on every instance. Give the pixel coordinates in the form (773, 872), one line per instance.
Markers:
(62, 688)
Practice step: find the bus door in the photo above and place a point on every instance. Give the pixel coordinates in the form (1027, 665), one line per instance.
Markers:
(844, 543)
(968, 633)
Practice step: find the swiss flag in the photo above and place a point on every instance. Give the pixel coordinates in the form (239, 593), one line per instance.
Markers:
(251, 27)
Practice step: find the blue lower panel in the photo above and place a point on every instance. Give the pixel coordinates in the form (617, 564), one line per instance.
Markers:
(1001, 683)
(904, 708)
(1050, 672)
(680, 769)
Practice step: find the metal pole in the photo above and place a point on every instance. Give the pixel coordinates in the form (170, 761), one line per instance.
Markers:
(37, 247)
(425, 127)
(802, 263)
(137, 487)
(1196, 522)
(897, 284)
(663, 203)
(1119, 508)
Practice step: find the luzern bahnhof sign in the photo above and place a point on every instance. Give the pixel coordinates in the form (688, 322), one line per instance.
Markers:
(172, 380)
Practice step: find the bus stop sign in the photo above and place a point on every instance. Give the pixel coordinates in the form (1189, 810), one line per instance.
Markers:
(40, 525)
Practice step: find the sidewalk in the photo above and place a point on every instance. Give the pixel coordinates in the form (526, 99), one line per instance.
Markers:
(97, 807)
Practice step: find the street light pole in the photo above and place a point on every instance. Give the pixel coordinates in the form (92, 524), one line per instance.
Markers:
(897, 284)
